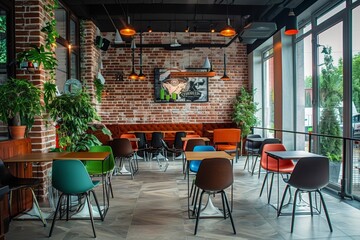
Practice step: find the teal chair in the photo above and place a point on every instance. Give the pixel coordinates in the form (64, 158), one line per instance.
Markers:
(102, 168)
(71, 179)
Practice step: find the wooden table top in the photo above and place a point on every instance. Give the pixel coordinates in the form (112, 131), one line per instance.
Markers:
(202, 155)
(48, 157)
(188, 138)
(35, 157)
(85, 156)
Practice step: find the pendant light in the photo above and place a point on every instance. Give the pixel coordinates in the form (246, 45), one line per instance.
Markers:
(128, 30)
(141, 75)
(291, 24)
(225, 77)
(133, 75)
(211, 72)
(228, 30)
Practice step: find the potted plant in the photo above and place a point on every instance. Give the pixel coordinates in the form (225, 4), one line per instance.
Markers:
(244, 112)
(20, 103)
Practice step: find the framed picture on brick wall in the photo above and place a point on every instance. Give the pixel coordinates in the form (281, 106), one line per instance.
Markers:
(179, 86)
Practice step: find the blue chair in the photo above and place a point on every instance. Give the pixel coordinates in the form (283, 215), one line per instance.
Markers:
(194, 167)
(102, 167)
(71, 179)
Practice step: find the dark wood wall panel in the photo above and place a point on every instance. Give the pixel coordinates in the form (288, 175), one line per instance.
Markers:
(22, 200)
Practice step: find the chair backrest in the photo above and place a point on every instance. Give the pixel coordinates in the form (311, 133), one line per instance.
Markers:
(134, 144)
(268, 141)
(203, 148)
(189, 135)
(191, 143)
(5, 175)
(156, 139)
(227, 135)
(255, 144)
(195, 164)
(214, 174)
(310, 173)
(70, 177)
(142, 139)
(271, 163)
(178, 143)
(96, 167)
(121, 147)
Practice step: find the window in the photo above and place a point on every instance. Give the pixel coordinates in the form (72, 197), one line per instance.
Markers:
(331, 13)
(67, 50)
(268, 90)
(3, 45)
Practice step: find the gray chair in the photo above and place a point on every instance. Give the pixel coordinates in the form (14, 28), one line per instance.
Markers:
(310, 174)
(251, 148)
(266, 141)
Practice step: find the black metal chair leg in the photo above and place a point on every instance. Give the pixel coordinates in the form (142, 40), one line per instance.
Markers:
(97, 205)
(325, 210)
(198, 214)
(310, 203)
(223, 204)
(230, 215)
(271, 184)
(263, 185)
(90, 213)
(282, 200)
(56, 211)
(293, 212)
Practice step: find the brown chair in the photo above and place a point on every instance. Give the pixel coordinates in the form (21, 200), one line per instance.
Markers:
(191, 143)
(123, 150)
(214, 176)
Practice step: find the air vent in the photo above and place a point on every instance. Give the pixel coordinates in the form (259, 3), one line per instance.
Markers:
(257, 30)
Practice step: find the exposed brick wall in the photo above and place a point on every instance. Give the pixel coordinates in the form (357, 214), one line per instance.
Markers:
(30, 17)
(133, 101)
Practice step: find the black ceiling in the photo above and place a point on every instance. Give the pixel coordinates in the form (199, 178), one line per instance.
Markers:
(175, 15)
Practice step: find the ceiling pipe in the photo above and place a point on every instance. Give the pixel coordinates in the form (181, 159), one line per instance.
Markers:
(182, 47)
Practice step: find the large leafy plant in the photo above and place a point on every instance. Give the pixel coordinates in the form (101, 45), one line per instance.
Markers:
(73, 113)
(20, 102)
(244, 111)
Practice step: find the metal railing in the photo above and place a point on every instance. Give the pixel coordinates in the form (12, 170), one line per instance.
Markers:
(344, 191)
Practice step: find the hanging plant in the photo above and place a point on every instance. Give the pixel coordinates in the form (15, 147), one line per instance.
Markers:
(99, 87)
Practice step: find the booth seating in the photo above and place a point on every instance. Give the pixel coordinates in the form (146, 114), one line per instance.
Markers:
(196, 128)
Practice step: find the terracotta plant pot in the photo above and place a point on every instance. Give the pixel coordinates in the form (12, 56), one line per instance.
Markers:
(17, 132)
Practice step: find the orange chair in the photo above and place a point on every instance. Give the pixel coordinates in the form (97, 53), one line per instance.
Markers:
(273, 166)
(227, 139)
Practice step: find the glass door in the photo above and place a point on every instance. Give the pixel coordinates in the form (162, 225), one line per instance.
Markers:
(3, 46)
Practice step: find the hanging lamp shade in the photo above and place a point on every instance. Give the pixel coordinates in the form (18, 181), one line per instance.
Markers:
(118, 38)
(228, 31)
(128, 30)
(291, 24)
(133, 75)
(141, 75)
(225, 76)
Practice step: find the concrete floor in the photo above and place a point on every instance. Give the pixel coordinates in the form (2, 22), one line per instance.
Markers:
(154, 206)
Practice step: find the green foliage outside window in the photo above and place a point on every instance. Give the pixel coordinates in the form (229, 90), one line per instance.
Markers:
(3, 50)
(330, 98)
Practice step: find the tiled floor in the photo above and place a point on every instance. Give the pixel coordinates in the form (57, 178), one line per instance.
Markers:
(153, 206)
